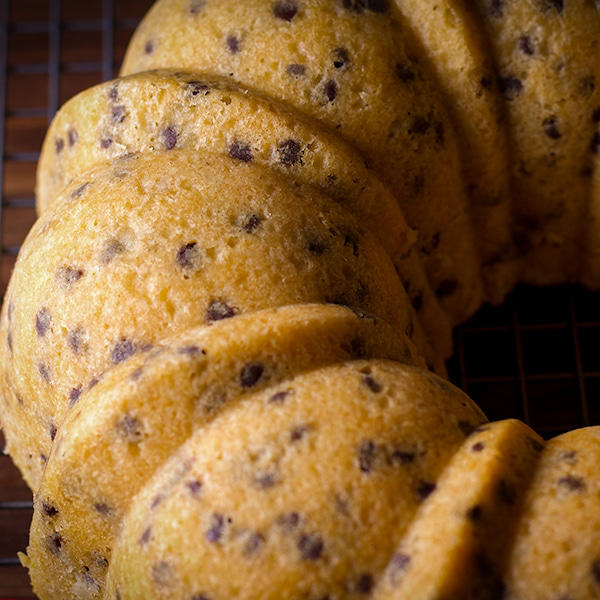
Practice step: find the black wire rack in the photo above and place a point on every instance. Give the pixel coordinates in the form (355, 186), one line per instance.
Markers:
(534, 358)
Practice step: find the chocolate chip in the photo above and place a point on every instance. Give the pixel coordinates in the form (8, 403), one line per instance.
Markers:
(145, 537)
(170, 137)
(330, 90)
(198, 87)
(113, 93)
(595, 143)
(446, 288)
(105, 143)
(251, 223)
(240, 151)
(44, 371)
(215, 531)
(298, 432)
(290, 153)
(43, 321)
(68, 276)
(279, 397)
(573, 484)
(310, 546)
(557, 5)
(130, 428)
(288, 521)
(122, 350)
(551, 128)
(218, 309)
(74, 395)
(43, 458)
(52, 431)
(196, 6)
(72, 136)
(54, 543)
(233, 44)
(296, 70)
(425, 488)
(112, 247)
(510, 86)
(195, 487)
(118, 113)
(149, 47)
(367, 455)
(59, 144)
(79, 191)
(404, 73)
(188, 256)
(364, 585)
(474, 513)
(478, 446)
(372, 384)
(341, 58)
(524, 45)
(405, 457)
(49, 510)
(285, 9)
(399, 563)
(102, 508)
(497, 8)
(251, 374)
(419, 126)
(506, 492)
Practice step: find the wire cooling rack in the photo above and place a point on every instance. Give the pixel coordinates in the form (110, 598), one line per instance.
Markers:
(534, 358)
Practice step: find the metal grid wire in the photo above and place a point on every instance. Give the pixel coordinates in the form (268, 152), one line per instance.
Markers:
(534, 358)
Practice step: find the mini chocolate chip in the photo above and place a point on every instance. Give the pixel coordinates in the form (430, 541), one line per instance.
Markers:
(298, 432)
(122, 350)
(573, 484)
(341, 58)
(52, 431)
(145, 537)
(93, 382)
(506, 492)
(265, 480)
(254, 542)
(296, 70)
(372, 384)
(215, 531)
(68, 276)
(251, 374)
(290, 153)
(240, 151)
(74, 395)
(510, 86)
(446, 288)
(170, 137)
(367, 455)
(279, 397)
(105, 143)
(557, 5)
(233, 44)
(112, 247)
(524, 45)
(196, 6)
(404, 73)
(149, 47)
(218, 309)
(72, 136)
(551, 129)
(54, 543)
(425, 488)
(76, 340)
(405, 457)
(251, 223)
(43, 458)
(194, 486)
(364, 584)
(79, 191)
(288, 521)
(113, 93)
(595, 143)
(285, 9)
(102, 508)
(419, 125)
(43, 321)
(49, 510)
(497, 8)
(310, 546)
(130, 428)
(44, 371)
(59, 144)
(399, 563)
(118, 113)
(330, 90)
(198, 87)
(474, 513)
(478, 446)
(188, 256)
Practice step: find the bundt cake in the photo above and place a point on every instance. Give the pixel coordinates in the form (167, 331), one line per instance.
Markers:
(224, 338)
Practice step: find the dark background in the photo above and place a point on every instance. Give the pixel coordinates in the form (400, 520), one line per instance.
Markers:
(535, 358)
